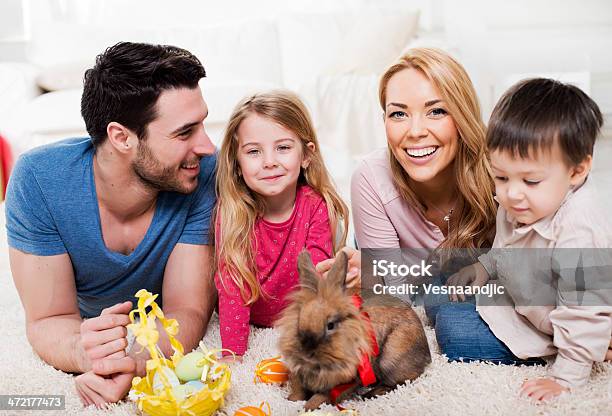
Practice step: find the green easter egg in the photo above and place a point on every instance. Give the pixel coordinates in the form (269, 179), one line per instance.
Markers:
(187, 369)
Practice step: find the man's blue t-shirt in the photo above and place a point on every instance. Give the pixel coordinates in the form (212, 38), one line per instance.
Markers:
(52, 208)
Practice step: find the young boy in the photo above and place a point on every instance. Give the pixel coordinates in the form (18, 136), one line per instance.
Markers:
(540, 138)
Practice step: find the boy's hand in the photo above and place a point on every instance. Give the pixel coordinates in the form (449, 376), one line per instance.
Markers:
(472, 275)
(542, 389)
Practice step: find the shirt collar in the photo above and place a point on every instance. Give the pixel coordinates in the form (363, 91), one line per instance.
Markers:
(543, 227)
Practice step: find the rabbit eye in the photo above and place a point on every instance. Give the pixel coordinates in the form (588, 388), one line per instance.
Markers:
(331, 326)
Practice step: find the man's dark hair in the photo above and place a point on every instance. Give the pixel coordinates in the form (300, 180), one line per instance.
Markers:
(126, 81)
(535, 113)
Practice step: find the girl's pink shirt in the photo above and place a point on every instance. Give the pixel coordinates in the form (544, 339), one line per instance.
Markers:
(278, 246)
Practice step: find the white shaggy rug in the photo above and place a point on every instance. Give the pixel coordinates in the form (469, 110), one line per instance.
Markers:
(444, 389)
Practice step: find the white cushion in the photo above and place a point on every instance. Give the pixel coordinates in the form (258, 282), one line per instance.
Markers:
(47, 118)
(362, 42)
(346, 112)
(246, 51)
(221, 98)
(17, 87)
(57, 115)
(58, 42)
(63, 76)
(55, 111)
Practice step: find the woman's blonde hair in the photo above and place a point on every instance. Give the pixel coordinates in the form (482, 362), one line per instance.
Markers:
(473, 221)
(238, 207)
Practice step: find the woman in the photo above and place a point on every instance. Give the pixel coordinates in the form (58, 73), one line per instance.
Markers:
(431, 187)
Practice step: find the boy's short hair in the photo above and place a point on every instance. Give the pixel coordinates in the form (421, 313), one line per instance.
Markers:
(534, 113)
(127, 80)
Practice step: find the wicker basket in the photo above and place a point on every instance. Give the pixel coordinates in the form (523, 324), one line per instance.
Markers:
(216, 377)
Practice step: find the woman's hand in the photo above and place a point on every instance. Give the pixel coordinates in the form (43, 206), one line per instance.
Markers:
(353, 274)
(472, 275)
(542, 389)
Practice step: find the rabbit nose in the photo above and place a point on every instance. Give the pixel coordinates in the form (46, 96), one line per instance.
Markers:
(308, 340)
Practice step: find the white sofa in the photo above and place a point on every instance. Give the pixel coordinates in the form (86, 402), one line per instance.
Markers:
(331, 53)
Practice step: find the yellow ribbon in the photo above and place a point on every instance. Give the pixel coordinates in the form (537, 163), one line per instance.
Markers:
(143, 325)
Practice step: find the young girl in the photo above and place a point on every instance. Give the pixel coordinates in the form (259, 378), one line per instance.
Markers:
(540, 138)
(276, 198)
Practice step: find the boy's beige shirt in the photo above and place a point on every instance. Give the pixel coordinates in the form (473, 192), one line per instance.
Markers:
(578, 335)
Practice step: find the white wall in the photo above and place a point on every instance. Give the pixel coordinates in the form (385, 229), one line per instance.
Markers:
(496, 40)
(12, 22)
(13, 30)
(500, 40)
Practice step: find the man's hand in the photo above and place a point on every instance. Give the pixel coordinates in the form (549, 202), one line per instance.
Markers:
(472, 275)
(353, 275)
(542, 389)
(108, 382)
(105, 337)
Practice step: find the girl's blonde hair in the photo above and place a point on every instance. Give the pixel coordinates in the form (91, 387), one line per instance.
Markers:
(238, 207)
(473, 221)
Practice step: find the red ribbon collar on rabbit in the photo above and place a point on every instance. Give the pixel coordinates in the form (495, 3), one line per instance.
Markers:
(365, 370)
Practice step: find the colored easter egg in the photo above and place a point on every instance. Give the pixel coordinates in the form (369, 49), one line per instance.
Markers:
(172, 379)
(216, 371)
(196, 385)
(271, 370)
(187, 369)
(181, 391)
(254, 411)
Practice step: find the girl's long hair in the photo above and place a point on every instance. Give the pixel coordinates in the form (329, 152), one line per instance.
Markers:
(238, 207)
(473, 221)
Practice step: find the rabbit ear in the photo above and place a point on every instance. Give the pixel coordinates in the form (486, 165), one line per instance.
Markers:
(337, 274)
(308, 275)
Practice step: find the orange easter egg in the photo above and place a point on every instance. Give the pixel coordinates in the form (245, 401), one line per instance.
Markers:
(271, 370)
(254, 411)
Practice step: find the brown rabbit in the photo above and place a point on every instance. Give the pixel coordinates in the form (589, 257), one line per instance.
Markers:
(324, 335)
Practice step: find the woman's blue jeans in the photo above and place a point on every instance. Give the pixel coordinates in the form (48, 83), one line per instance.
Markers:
(464, 336)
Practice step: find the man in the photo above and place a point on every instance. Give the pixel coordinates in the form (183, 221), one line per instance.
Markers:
(91, 221)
